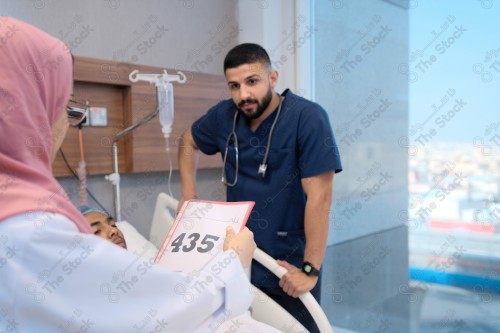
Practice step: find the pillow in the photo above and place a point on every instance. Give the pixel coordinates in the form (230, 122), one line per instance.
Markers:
(137, 243)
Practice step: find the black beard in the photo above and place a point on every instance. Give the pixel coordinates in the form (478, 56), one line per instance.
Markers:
(261, 107)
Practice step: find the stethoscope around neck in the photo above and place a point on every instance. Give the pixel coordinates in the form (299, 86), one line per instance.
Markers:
(263, 166)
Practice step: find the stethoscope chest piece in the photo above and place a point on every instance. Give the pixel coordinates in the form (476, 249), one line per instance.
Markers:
(262, 170)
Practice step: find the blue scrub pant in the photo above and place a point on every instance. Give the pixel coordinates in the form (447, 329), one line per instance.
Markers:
(295, 306)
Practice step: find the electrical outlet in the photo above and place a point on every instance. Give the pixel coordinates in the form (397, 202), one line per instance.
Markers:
(98, 116)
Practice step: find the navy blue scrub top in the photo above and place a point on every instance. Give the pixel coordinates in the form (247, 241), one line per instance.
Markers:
(302, 146)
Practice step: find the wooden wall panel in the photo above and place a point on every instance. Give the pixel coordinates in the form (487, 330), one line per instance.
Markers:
(105, 84)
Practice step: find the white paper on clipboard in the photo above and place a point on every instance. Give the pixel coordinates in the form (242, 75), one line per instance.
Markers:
(198, 233)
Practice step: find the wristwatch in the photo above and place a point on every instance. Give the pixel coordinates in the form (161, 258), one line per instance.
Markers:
(309, 269)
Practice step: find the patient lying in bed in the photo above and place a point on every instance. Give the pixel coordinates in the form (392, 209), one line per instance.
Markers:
(104, 226)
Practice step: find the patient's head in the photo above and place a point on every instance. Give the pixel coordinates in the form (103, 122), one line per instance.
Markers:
(103, 225)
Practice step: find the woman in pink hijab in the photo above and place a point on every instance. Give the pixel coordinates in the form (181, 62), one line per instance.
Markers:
(55, 275)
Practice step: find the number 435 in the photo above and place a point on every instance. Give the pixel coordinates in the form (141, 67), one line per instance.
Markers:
(207, 243)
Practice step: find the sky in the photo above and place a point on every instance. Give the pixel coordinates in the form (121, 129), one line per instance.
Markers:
(455, 63)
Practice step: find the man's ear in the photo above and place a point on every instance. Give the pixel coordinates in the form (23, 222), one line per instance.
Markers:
(273, 77)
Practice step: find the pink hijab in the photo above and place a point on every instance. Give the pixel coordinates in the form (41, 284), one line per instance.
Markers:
(35, 84)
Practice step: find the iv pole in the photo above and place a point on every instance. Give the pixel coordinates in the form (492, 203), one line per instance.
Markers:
(156, 79)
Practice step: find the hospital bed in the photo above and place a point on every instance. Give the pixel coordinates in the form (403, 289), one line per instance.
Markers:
(263, 308)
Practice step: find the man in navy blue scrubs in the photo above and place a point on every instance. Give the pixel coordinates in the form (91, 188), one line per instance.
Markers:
(279, 151)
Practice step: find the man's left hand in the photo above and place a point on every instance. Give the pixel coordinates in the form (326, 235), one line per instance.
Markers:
(295, 282)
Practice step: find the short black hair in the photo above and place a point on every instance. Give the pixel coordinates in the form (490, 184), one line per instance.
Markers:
(246, 53)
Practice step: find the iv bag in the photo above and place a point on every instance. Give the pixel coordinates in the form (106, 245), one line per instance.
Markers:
(166, 106)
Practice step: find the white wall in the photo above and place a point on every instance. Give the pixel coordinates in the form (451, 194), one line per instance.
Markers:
(173, 33)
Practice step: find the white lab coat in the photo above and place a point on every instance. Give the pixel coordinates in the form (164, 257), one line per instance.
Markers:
(55, 279)
(243, 323)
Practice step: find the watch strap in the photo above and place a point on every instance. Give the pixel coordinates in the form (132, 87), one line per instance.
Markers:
(309, 269)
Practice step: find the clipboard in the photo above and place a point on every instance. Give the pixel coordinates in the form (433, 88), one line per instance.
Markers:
(198, 233)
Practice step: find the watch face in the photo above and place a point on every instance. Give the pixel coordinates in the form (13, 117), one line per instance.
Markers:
(307, 268)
